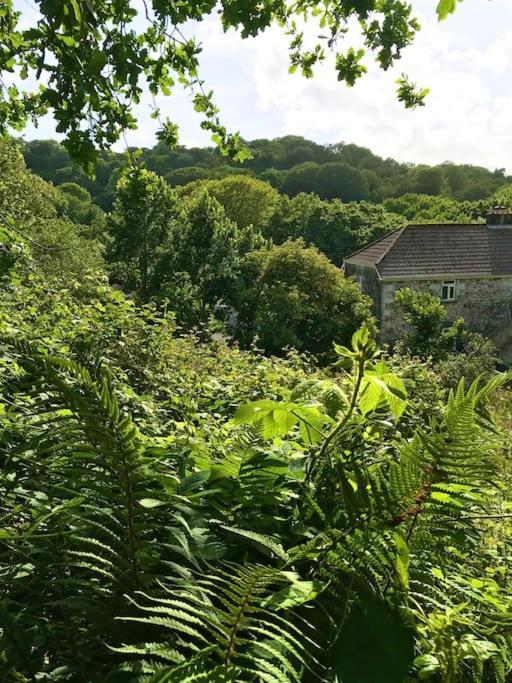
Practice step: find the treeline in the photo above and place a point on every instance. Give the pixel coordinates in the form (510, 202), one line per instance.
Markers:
(290, 164)
(263, 264)
(206, 254)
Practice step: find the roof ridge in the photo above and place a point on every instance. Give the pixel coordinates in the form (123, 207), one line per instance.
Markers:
(379, 239)
(386, 253)
(446, 225)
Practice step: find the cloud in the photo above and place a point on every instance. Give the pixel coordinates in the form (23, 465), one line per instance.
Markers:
(465, 61)
(465, 119)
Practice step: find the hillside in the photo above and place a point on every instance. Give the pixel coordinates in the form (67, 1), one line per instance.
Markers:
(290, 164)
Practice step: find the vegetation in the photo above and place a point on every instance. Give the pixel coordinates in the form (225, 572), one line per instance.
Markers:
(293, 165)
(125, 45)
(292, 296)
(209, 471)
(178, 508)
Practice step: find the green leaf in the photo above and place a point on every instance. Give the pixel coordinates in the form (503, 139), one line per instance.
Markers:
(427, 665)
(193, 483)
(67, 40)
(446, 7)
(379, 385)
(297, 593)
(76, 9)
(375, 644)
(151, 503)
(402, 560)
(262, 540)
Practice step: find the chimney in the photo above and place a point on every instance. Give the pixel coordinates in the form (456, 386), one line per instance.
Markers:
(499, 217)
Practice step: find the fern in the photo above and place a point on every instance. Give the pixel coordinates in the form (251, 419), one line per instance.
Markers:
(217, 628)
(74, 493)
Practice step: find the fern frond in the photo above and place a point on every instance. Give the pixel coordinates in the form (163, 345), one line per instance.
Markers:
(232, 629)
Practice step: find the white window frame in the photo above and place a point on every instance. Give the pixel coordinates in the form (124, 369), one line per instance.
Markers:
(450, 287)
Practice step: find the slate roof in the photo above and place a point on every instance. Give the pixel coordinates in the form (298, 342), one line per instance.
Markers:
(439, 249)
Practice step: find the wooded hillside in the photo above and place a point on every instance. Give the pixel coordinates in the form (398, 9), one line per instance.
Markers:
(290, 164)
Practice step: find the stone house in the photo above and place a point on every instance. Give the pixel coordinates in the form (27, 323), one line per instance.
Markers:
(468, 266)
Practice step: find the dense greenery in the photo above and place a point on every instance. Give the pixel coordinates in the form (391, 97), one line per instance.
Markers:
(293, 165)
(92, 60)
(177, 508)
(178, 504)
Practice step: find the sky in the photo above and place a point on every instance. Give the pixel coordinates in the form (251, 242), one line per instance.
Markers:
(466, 61)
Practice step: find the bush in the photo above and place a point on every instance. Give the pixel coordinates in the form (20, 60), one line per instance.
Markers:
(293, 296)
(425, 315)
(477, 357)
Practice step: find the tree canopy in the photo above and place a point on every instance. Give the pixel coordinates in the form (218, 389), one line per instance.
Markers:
(92, 59)
(293, 296)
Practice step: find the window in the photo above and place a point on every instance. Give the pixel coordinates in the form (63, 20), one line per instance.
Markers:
(360, 281)
(448, 291)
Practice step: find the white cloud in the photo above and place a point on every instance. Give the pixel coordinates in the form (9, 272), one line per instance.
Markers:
(465, 62)
(466, 118)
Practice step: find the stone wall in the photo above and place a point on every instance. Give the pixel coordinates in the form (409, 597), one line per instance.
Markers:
(369, 283)
(484, 303)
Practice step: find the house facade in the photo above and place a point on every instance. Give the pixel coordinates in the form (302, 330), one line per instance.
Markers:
(468, 266)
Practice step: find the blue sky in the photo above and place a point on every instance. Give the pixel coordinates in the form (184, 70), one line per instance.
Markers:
(466, 61)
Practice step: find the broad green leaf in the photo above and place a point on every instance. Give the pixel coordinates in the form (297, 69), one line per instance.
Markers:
(297, 593)
(151, 503)
(376, 644)
(446, 7)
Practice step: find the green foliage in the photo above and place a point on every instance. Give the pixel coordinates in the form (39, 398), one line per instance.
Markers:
(422, 208)
(144, 213)
(245, 200)
(94, 59)
(425, 316)
(232, 628)
(205, 254)
(78, 206)
(293, 165)
(476, 356)
(147, 536)
(409, 94)
(29, 210)
(446, 7)
(377, 628)
(291, 295)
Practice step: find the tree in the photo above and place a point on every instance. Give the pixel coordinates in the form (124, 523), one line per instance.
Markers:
(292, 296)
(292, 217)
(94, 57)
(187, 174)
(337, 229)
(425, 315)
(422, 208)
(429, 180)
(200, 266)
(341, 181)
(145, 211)
(301, 179)
(78, 206)
(29, 208)
(23, 195)
(246, 201)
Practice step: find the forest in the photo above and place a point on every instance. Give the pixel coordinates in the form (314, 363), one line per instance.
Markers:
(292, 165)
(210, 470)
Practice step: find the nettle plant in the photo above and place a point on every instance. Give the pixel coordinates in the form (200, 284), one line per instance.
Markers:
(317, 544)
